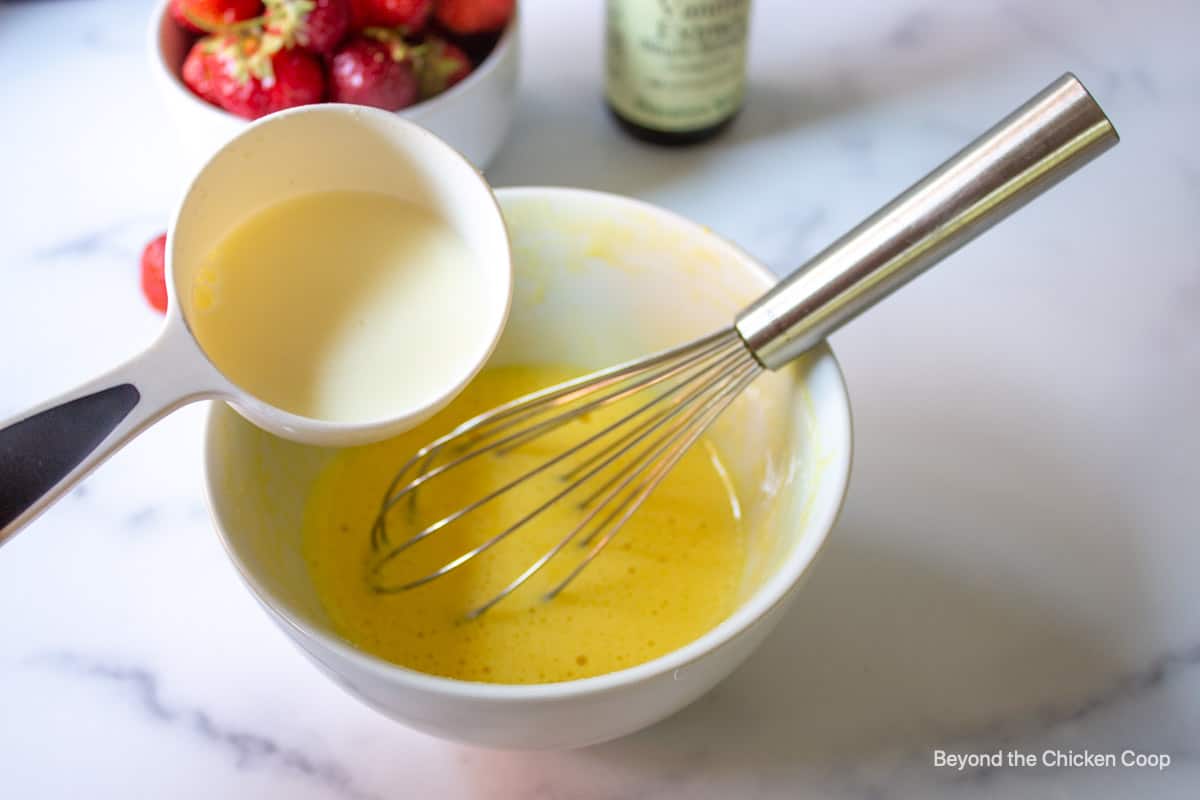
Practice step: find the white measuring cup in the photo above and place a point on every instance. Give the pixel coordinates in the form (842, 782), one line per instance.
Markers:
(47, 449)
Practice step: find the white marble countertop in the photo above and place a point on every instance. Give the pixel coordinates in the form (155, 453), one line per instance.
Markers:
(1016, 567)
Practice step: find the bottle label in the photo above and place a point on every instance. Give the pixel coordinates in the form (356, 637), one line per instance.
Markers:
(676, 65)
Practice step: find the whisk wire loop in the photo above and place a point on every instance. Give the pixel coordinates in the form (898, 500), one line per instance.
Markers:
(505, 488)
(533, 405)
(695, 422)
(685, 383)
(651, 483)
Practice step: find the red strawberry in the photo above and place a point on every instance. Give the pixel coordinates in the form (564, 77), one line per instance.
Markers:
(474, 16)
(200, 70)
(375, 70)
(442, 66)
(299, 80)
(242, 76)
(154, 280)
(411, 15)
(358, 15)
(319, 25)
(200, 16)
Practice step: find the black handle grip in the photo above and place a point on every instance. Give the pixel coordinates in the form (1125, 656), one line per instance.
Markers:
(39, 451)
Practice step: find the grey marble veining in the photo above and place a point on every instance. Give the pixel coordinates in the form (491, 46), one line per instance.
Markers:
(248, 750)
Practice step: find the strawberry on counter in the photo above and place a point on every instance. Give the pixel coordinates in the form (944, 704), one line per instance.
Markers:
(154, 281)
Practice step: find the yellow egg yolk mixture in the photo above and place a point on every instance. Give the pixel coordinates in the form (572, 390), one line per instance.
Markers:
(671, 573)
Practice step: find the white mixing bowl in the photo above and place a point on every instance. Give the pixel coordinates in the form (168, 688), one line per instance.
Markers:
(599, 279)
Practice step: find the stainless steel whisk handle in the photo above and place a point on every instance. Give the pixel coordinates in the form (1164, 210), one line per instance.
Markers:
(1045, 140)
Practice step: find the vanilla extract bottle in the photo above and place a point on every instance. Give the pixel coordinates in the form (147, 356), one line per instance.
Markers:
(675, 70)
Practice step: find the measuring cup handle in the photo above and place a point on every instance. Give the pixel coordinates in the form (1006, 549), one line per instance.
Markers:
(46, 450)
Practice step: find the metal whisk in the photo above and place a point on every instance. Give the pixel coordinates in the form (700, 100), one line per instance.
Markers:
(674, 396)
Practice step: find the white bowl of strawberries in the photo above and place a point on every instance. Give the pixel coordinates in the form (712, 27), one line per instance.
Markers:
(448, 65)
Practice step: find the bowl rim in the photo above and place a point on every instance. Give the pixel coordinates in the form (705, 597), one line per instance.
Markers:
(773, 593)
(171, 78)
